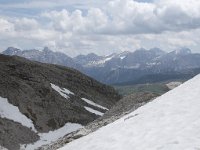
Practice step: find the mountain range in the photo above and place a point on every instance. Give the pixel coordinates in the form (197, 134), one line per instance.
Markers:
(140, 66)
(45, 106)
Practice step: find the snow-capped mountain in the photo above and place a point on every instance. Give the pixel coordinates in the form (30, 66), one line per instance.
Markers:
(144, 59)
(125, 59)
(45, 56)
(43, 101)
(153, 58)
(136, 66)
(88, 60)
(169, 122)
(93, 60)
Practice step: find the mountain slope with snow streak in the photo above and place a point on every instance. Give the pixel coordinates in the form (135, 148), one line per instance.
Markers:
(45, 98)
(63, 92)
(12, 112)
(169, 122)
(93, 104)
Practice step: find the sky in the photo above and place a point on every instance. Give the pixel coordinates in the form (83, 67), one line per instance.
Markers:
(100, 26)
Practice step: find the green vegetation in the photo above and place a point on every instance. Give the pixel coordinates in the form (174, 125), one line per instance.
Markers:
(157, 88)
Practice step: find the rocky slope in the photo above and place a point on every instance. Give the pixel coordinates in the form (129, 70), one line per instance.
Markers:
(50, 96)
(13, 133)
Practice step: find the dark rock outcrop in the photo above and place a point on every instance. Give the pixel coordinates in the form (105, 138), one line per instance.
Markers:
(13, 133)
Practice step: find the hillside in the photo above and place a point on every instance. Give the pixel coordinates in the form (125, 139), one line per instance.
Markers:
(169, 122)
(124, 106)
(36, 98)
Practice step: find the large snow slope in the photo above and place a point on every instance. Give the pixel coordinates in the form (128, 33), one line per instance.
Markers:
(171, 122)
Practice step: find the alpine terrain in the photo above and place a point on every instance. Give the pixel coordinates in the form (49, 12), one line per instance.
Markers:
(99, 75)
(171, 121)
(40, 103)
(138, 67)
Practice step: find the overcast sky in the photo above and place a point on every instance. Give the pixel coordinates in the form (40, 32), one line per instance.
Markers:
(100, 26)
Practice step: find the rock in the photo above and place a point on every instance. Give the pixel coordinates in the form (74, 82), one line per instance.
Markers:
(13, 133)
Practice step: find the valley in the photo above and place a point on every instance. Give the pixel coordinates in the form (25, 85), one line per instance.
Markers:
(138, 67)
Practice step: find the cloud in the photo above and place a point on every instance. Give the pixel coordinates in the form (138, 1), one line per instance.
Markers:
(179, 15)
(50, 4)
(115, 26)
(131, 17)
(75, 22)
(25, 24)
(6, 26)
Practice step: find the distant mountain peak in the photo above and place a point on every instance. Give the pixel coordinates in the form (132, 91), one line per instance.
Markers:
(12, 51)
(157, 51)
(183, 51)
(141, 50)
(46, 49)
(92, 56)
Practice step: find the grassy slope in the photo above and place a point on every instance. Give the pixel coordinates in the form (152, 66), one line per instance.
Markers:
(158, 88)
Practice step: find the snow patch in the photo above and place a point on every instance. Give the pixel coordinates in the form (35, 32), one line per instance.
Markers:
(171, 121)
(93, 104)
(100, 62)
(52, 136)
(94, 111)
(136, 66)
(12, 112)
(173, 85)
(122, 57)
(3, 148)
(62, 91)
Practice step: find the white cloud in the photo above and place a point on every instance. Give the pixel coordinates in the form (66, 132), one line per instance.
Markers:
(131, 17)
(24, 24)
(6, 27)
(119, 25)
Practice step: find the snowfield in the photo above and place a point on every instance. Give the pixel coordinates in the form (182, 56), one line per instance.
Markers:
(52, 136)
(3, 148)
(12, 112)
(170, 122)
(173, 85)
